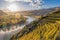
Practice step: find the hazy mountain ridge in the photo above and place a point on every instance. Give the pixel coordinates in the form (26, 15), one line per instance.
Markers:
(35, 12)
(38, 12)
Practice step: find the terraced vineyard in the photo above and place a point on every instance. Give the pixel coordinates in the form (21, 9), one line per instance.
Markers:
(45, 28)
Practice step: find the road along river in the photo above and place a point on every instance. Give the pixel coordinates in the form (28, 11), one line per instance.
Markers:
(6, 35)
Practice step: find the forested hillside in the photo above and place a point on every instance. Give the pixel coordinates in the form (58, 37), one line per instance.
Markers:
(45, 28)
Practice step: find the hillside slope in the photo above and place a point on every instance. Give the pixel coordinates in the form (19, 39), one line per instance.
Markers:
(38, 12)
(35, 12)
(46, 28)
(2, 13)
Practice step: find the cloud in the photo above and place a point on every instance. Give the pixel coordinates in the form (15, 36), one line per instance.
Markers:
(18, 0)
(36, 3)
(25, 0)
(10, 0)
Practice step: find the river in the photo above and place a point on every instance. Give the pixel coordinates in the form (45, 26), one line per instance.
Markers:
(6, 35)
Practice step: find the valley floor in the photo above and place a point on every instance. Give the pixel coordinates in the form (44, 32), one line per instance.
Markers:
(46, 28)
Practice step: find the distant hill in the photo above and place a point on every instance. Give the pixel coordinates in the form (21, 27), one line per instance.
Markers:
(2, 13)
(35, 12)
(38, 12)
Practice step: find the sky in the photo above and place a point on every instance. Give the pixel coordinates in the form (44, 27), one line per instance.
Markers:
(21, 5)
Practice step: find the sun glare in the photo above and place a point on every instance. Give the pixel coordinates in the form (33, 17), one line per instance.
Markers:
(12, 7)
